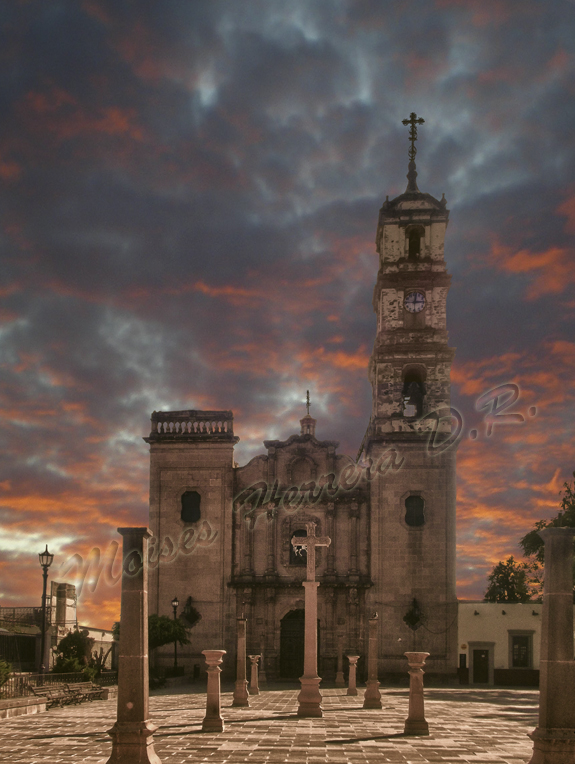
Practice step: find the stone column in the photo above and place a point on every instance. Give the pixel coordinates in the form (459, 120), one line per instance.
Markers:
(241, 686)
(339, 680)
(351, 687)
(254, 688)
(271, 515)
(309, 698)
(372, 697)
(247, 538)
(330, 530)
(132, 734)
(415, 723)
(554, 737)
(213, 721)
(353, 537)
(263, 680)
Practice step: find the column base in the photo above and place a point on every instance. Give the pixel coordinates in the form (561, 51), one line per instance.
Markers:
(241, 694)
(339, 680)
(309, 698)
(351, 691)
(213, 724)
(255, 691)
(132, 743)
(416, 727)
(372, 697)
(552, 746)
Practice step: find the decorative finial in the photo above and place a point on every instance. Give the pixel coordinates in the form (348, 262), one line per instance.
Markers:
(307, 401)
(413, 121)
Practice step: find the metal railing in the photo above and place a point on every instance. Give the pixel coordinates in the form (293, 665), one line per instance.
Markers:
(25, 616)
(18, 685)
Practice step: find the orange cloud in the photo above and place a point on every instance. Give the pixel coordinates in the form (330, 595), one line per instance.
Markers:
(568, 210)
(59, 112)
(552, 269)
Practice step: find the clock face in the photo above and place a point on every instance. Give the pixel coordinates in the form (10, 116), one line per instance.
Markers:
(414, 302)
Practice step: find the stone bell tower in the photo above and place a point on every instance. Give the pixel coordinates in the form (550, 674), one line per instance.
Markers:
(413, 508)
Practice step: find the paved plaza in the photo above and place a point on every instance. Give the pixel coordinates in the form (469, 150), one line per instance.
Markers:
(474, 725)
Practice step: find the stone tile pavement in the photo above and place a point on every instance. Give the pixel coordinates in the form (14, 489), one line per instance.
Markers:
(466, 725)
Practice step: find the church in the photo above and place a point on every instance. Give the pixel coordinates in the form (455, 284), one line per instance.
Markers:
(223, 533)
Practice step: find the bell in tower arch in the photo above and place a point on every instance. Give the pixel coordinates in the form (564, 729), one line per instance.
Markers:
(414, 236)
(413, 393)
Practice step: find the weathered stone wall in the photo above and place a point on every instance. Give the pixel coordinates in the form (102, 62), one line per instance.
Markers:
(195, 558)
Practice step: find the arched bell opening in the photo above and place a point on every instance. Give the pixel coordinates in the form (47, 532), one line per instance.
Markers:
(415, 236)
(413, 392)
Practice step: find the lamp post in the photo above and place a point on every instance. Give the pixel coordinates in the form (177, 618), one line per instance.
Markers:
(175, 603)
(45, 561)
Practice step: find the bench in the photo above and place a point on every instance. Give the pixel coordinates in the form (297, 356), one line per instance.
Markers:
(54, 694)
(84, 691)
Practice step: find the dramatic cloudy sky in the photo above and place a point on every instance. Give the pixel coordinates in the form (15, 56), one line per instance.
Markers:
(189, 198)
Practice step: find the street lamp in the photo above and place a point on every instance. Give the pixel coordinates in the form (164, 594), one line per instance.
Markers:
(175, 603)
(45, 561)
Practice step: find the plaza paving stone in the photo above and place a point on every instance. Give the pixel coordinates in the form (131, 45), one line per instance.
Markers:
(466, 725)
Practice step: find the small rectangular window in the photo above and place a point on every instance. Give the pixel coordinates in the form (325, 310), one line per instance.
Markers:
(521, 651)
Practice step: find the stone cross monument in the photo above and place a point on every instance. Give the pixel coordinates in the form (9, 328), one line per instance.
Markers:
(309, 698)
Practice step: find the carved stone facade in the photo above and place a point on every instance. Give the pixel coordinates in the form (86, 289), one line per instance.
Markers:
(391, 517)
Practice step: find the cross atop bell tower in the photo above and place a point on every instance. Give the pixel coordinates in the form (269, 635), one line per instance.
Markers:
(413, 121)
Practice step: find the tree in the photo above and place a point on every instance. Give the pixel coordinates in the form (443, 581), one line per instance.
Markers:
(532, 543)
(508, 583)
(162, 630)
(74, 654)
(511, 578)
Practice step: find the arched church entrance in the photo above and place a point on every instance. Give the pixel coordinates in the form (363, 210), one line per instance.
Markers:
(292, 635)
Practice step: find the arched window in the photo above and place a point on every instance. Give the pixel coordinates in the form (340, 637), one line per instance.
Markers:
(413, 393)
(299, 557)
(191, 507)
(414, 250)
(414, 515)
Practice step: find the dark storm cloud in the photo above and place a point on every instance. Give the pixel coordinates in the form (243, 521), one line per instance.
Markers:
(189, 201)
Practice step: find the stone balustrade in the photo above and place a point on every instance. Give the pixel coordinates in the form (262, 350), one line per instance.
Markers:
(186, 425)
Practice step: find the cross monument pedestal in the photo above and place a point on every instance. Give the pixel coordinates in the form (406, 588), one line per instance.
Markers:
(351, 685)
(254, 687)
(372, 697)
(415, 724)
(309, 698)
(339, 680)
(213, 721)
(241, 686)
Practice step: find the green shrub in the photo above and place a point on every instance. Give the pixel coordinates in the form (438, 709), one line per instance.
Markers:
(5, 671)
